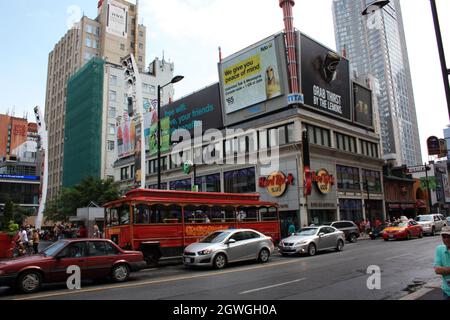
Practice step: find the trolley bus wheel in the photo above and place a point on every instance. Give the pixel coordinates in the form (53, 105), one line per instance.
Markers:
(152, 260)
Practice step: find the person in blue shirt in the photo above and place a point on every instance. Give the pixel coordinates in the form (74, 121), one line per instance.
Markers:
(442, 262)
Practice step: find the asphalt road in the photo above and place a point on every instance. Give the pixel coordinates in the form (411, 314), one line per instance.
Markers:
(328, 275)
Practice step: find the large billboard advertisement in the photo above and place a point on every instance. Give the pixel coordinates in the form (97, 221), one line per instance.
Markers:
(126, 136)
(117, 19)
(250, 77)
(325, 79)
(363, 111)
(203, 106)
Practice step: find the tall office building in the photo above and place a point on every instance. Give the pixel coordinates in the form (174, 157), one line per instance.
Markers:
(114, 34)
(376, 46)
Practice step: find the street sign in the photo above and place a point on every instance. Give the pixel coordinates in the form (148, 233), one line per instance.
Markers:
(417, 169)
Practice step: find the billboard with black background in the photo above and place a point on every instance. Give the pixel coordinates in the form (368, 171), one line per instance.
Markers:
(204, 106)
(363, 109)
(324, 90)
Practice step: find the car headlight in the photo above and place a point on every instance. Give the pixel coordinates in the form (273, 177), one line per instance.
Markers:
(205, 252)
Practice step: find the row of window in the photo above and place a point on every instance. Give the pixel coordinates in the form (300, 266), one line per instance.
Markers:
(322, 137)
(348, 179)
(161, 214)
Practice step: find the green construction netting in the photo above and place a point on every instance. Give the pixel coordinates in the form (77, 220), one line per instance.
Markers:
(83, 124)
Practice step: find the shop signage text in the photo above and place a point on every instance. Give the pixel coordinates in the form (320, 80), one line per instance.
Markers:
(323, 180)
(276, 183)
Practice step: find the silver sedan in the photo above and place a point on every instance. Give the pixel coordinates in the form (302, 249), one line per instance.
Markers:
(313, 239)
(225, 246)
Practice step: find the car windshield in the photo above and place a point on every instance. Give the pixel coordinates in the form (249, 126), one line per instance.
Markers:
(424, 218)
(400, 224)
(307, 232)
(54, 248)
(215, 237)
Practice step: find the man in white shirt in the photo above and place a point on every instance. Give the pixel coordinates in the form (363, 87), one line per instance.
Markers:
(23, 236)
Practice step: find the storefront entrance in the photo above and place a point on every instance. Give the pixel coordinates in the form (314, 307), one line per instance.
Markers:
(286, 219)
(319, 217)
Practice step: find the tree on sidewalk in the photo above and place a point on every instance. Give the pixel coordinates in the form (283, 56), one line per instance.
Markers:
(79, 196)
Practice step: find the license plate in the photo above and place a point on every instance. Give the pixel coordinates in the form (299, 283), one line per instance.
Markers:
(188, 260)
(391, 236)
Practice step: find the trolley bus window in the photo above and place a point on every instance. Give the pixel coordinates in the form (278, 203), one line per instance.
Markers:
(268, 213)
(200, 214)
(118, 216)
(166, 214)
(222, 214)
(142, 213)
(248, 214)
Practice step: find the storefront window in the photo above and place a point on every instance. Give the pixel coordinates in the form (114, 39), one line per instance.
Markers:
(209, 183)
(351, 210)
(348, 178)
(155, 186)
(240, 181)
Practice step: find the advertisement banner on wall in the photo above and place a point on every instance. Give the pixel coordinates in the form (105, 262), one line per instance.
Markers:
(446, 186)
(126, 132)
(117, 19)
(250, 77)
(165, 136)
(325, 79)
(202, 106)
(363, 111)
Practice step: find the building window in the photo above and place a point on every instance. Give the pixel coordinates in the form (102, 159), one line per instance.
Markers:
(240, 181)
(112, 96)
(369, 149)
(348, 178)
(112, 112)
(373, 179)
(88, 42)
(181, 185)
(351, 210)
(110, 145)
(89, 28)
(122, 47)
(210, 183)
(141, 46)
(111, 129)
(318, 135)
(345, 143)
(124, 173)
(113, 80)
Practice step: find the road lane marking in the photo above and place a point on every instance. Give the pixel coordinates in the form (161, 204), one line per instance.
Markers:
(399, 256)
(170, 279)
(273, 286)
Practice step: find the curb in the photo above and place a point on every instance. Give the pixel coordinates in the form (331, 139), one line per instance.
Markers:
(427, 288)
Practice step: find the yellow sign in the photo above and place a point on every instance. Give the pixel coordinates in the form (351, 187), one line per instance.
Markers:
(324, 181)
(243, 70)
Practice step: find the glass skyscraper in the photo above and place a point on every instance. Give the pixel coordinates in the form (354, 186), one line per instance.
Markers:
(375, 45)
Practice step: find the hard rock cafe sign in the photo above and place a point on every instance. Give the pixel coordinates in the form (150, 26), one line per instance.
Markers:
(276, 183)
(323, 180)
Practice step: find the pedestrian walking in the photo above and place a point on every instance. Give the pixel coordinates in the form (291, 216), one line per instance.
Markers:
(442, 262)
(36, 239)
(291, 229)
(367, 226)
(96, 234)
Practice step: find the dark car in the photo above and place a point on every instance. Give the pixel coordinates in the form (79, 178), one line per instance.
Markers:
(97, 259)
(377, 232)
(349, 228)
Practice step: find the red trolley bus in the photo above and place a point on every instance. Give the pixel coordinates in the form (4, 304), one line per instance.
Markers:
(161, 223)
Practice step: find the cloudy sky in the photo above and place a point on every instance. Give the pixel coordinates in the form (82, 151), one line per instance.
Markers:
(189, 33)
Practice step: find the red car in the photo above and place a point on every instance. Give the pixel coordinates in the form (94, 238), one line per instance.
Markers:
(97, 259)
(403, 230)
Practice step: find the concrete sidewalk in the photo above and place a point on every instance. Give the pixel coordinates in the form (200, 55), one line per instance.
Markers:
(430, 291)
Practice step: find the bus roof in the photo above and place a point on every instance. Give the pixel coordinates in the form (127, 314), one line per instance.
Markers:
(188, 197)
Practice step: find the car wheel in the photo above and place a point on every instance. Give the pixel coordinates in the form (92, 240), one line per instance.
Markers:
(340, 245)
(263, 256)
(120, 273)
(29, 281)
(312, 249)
(220, 261)
(352, 238)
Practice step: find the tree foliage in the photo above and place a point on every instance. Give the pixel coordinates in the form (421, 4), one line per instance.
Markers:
(13, 213)
(80, 196)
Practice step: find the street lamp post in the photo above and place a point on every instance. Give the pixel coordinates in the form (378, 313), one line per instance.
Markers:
(174, 80)
(378, 5)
